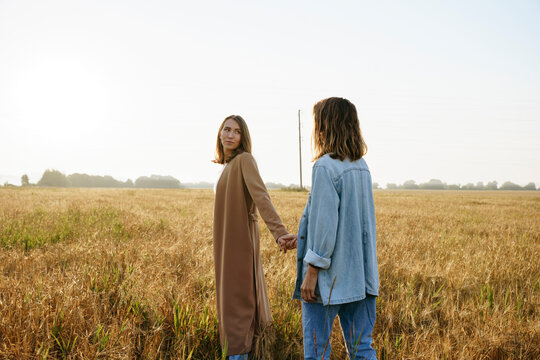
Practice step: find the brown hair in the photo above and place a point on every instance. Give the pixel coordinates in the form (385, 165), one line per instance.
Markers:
(337, 130)
(245, 140)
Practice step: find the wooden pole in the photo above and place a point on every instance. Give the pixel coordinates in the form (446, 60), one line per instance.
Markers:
(300, 148)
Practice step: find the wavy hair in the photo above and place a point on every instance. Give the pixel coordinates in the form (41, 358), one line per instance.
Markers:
(337, 130)
(245, 140)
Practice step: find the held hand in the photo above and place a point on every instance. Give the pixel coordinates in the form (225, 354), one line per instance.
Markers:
(308, 285)
(286, 241)
(292, 243)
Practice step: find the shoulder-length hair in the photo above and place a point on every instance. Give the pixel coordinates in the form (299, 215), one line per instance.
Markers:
(245, 140)
(337, 130)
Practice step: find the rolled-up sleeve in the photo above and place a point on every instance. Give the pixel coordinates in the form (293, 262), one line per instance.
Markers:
(323, 219)
(316, 260)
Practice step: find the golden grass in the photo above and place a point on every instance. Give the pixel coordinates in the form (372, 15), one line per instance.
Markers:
(128, 274)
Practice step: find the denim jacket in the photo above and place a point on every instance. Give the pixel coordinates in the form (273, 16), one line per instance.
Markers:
(337, 232)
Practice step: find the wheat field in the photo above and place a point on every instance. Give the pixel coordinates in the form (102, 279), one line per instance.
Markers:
(128, 274)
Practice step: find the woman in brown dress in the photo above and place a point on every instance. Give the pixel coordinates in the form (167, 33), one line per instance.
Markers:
(242, 303)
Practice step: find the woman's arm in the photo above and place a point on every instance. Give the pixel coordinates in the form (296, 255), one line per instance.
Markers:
(323, 219)
(259, 194)
(322, 229)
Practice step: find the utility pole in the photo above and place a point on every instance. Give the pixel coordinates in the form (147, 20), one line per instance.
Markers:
(300, 148)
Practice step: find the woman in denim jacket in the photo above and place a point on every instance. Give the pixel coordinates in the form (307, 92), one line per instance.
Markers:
(337, 256)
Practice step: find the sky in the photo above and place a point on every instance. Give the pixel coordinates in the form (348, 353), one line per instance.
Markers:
(444, 89)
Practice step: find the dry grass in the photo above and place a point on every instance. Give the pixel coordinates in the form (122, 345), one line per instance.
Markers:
(128, 274)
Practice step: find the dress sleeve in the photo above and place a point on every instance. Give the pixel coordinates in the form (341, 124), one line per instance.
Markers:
(259, 194)
(323, 219)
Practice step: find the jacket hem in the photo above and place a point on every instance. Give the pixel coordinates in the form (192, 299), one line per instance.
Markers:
(297, 296)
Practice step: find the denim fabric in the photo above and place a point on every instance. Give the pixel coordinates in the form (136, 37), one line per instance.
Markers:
(238, 357)
(356, 319)
(337, 232)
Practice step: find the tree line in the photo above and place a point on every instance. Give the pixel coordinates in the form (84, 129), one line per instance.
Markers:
(436, 184)
(55, 178)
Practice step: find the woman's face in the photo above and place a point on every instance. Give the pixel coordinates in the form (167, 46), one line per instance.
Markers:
(230, 136)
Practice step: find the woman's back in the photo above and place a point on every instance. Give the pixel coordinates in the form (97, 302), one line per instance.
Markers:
(354, 255)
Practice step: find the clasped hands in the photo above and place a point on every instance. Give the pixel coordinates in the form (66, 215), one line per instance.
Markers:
(287, 242)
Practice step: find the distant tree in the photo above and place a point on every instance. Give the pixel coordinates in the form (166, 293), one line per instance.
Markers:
(492, 185)
(510, 186)
(128, 183)
(453, 187)
(530, 186)
(433, 184)
(54, 178)
(480, 186)
(410, 184)
(84, 180)
(468, 186)
(375, 185)
(392, 186)
(273, 185)
(157, 182)
(24, 180)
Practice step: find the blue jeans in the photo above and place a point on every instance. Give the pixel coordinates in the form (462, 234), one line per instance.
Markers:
(356, 319)
(238, 357)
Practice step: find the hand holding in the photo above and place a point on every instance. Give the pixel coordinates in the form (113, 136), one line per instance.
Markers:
(286, 241)
(291, 244)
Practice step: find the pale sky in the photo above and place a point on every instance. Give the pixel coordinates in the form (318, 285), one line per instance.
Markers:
(444, 89)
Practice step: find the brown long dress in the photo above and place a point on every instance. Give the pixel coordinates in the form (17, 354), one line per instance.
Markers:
(242, 304)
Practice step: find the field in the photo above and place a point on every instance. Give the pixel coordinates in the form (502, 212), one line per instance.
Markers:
(128, 274)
